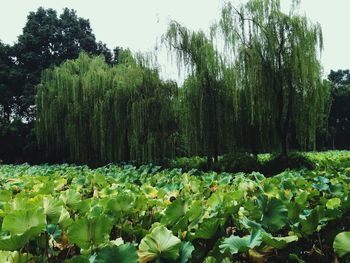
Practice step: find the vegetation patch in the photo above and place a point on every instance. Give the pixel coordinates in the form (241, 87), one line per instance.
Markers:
(76, 214)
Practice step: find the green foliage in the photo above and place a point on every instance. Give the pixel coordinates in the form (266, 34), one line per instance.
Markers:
(186, 252)
(77, 213)
(188, 163)
(16, 242)
(126, 253)
(278, 242)
(176, 213)
(341, 244)
(89, 232)
(206, 98)
(339, 123)
(236, 244)
(239, 162)
(160, 243)
(21, 221)
(274, 213)
(91, 113)
(14, 257)
(47, 39)
(276, 56)
(262, 92)
(57, 39)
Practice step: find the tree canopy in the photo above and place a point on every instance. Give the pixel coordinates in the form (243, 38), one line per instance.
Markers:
(339, 116)
(206, 100)
(49, 39)
(89, 112)
(277, 60)
(260, 91)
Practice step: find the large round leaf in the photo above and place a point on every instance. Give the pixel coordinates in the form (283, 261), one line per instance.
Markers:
(18, 222)
(278, 242)
(175, 215)
(341, 244)
(311, 221)
(89, 231)
(235, 244)
(14, 257)
(70, 198)
(122, 254)
(123, 202)
(275, 213)
(16, 242)
(207, 229)
(333, 203)
(210, 259)
(186, 252)
(160, 243)
(52, 209)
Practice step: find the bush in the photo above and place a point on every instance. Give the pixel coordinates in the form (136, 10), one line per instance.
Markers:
(238, 162)
(189, 163)
(279, 163)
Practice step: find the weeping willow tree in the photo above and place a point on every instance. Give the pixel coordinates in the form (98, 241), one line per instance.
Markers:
(206, 100)
(91, 113)
(276, 58)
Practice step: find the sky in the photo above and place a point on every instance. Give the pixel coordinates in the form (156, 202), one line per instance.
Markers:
(139, 24)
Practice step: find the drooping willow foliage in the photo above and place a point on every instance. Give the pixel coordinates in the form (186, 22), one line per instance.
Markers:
(276, 56)
(262, 91)
(207, 112)
(89, 112)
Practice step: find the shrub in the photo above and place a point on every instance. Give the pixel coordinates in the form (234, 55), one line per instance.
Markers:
(239, 162)
(279, 163)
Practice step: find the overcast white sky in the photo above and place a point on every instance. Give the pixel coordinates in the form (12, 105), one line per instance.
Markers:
(139, 24)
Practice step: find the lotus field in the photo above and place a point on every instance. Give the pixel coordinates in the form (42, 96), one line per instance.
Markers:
(64, 213)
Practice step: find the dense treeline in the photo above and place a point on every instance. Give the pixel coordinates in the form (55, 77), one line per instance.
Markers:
(262, 91)
(47, 39)
(89, 112)
(339, 117)
(277, 56)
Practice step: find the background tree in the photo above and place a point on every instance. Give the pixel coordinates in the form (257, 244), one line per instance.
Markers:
(6, 88)
(89, 112)
(277, 60)
(47, 40)
(14, 134)
(339, 117)
(207, 102)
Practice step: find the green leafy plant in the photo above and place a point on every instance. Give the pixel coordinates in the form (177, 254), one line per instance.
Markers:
(160, 243)
(341, 244)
